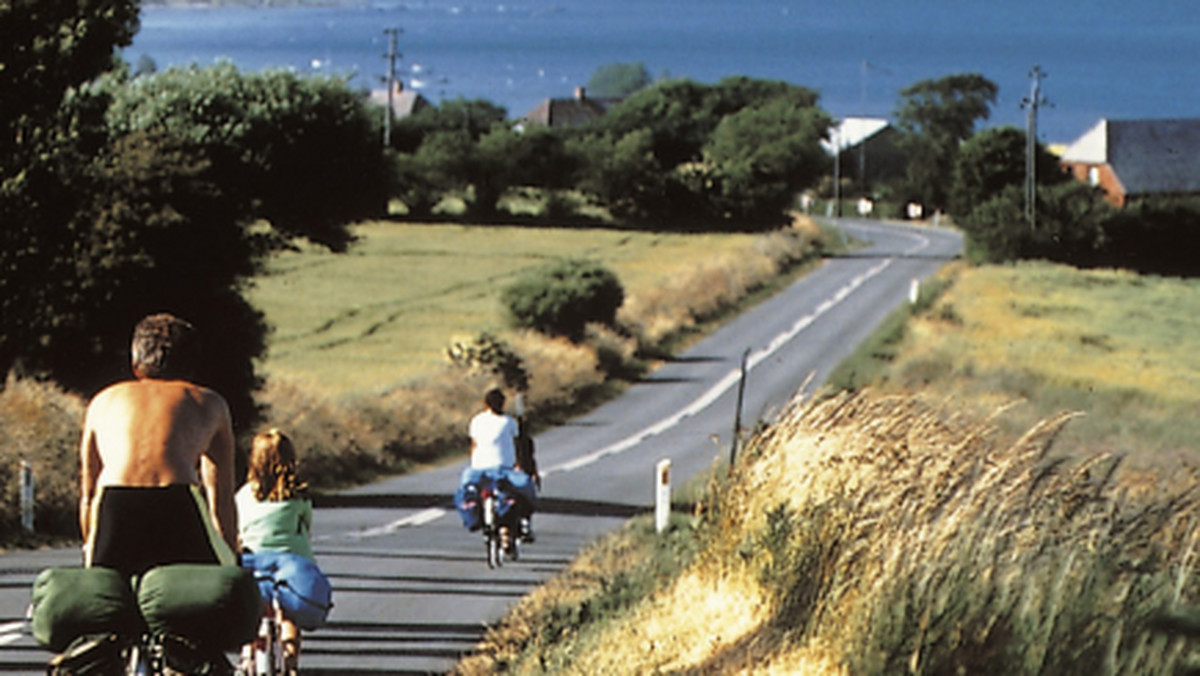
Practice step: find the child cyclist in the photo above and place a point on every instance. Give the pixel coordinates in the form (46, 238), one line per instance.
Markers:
(274, 520)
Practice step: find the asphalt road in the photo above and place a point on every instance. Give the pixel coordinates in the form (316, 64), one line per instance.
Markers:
(412, 592)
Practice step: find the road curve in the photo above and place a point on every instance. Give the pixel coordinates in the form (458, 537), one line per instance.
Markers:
(412, 591)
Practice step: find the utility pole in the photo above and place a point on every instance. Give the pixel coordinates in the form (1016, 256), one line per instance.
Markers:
(837, 169)
(391, 56)
(1031, 104)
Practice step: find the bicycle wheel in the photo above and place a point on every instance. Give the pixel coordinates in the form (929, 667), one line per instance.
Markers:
(494, 554)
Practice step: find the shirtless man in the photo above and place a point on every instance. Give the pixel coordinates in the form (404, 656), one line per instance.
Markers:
(157, 461)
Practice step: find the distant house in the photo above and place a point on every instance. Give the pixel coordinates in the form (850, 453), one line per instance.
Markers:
(866, 149)
(1132, 159)
(573, 112)
(405, 102)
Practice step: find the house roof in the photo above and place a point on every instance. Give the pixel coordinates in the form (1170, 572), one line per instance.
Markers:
(852, 131)
(568, 112)
(405, 102)
(1148, 156)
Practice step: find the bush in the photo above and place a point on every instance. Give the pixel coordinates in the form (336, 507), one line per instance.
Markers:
(561, 298)
(40, 424)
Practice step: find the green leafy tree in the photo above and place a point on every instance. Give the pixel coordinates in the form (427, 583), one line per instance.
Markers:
(1071, 227)
(627, 176)
(48, 49)
(992, 160)
(441, 151)
(121, 197)
(618, 80)
(694, 156)
(760, 158)
(561, 298)
(936, 116)
(303, 150)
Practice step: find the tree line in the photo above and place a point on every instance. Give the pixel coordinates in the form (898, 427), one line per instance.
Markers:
(123, 193)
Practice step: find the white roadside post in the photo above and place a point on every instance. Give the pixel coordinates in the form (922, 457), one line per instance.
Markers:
(662, 495)
(914, 292)
(26, 496)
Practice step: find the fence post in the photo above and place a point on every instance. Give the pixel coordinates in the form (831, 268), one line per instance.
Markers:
(26, 496)
(662, 495)
(737, 414)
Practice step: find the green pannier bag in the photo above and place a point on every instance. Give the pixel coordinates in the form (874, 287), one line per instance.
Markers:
(218, 607)
(71, 602)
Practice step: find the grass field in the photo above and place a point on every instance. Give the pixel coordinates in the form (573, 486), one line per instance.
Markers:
(1119, 347)
(383, 313)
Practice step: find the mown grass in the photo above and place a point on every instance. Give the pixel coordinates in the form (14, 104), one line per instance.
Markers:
(383, 314)
(1012, 490)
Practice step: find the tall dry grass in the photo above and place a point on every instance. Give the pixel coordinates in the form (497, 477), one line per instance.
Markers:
(872, 534)
(711, 287)
(919, 540)
(40, 424)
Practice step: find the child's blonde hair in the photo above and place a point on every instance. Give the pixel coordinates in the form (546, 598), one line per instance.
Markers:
(272, 467)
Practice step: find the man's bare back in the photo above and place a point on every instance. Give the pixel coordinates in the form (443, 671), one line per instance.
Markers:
(154, 432)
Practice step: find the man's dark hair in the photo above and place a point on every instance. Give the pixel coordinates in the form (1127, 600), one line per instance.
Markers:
(494, 400)
(165, 347)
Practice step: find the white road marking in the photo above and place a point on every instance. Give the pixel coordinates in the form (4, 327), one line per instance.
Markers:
(11, 632)
(721, 387)
(726, 383)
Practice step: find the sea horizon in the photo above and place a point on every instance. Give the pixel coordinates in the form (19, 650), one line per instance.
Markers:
(1101, 59)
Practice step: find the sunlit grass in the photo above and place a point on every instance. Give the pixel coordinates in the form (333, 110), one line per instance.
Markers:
(1119, 347)
(383, 313)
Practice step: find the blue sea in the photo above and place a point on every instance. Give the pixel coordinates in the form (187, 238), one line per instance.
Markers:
(1102, 58)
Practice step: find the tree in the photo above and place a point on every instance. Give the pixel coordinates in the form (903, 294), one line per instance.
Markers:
(618, 80)
(302, 151)
(993, 160)
(120, 197)
(936, 116)
(49, 49)
(681, 154)
(760, 157)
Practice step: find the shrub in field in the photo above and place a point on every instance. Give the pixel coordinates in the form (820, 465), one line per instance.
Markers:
(487, 354)
(39, 423)
(561, 298)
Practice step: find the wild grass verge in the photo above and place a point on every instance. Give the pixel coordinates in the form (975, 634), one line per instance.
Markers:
(873, 534)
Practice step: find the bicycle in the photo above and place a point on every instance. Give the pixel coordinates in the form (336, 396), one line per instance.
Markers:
(498, 532)
(264, 656)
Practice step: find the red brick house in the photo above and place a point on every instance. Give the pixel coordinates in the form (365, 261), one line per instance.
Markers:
(1133, 159)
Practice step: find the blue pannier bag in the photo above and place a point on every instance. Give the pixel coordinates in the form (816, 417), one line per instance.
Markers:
(303, 591)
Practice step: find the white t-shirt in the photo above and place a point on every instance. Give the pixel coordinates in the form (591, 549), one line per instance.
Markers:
(494, 436)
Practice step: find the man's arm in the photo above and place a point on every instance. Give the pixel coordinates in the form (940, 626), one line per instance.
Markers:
(89, 471)
(216, 473)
